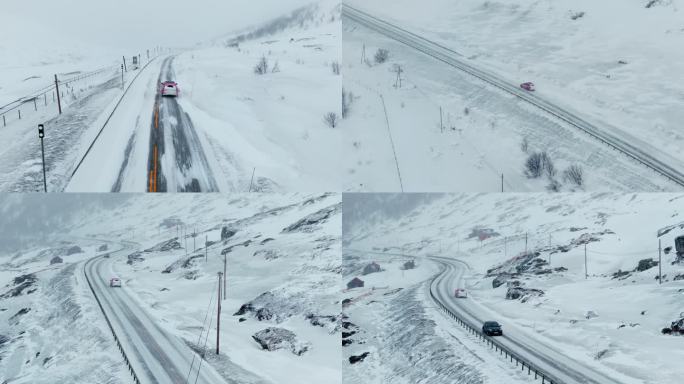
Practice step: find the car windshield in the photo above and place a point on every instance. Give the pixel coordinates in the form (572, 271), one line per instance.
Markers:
(491, 324)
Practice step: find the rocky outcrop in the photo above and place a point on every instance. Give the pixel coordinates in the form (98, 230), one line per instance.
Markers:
(274, 338)
(102, 248)
(523, 294)
(21, 284)
(371, 268)
(227, 233)
(646, 264)
(310, 222)
(56, 260)
(268, 254)
(134, 257)
(353, 359)
(165, 246)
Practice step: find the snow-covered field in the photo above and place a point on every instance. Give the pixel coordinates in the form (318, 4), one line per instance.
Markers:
(285, 248)
(611, 320)
(617, 75)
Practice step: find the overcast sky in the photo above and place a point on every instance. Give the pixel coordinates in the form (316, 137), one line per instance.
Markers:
(143, 23)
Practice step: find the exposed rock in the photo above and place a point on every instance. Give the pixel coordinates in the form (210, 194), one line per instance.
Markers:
(331, 322)
(20, 284)
(230, 248)
(646, 264)
(269, 306)
(102, 248)
(191, 275)
(73, 250)
(268, 254)
(21, 312)
(274, 338)
(590, 315)
(357, 358)
(371, 268)
(679, 277)
(135, 257)
(165, 246)
(503, 278)
(185, 262)
(242, 319)
(524, 294)
(355, 283)
(482, 233)
(227, 233)
(266, 240)
(56, 260)
(309, 223)
(411, 264)
(620, 274)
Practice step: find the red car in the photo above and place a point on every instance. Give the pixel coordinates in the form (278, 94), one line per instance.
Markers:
(169, 88)
(460, 293)
(529, 86)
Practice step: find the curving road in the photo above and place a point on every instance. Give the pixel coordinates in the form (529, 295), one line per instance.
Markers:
(156, 356)
(561, 368)
(177, 162)
(642, 152)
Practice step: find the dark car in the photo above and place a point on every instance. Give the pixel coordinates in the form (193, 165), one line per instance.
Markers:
(492, 328)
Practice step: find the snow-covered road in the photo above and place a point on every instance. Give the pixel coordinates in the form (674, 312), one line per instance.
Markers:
(155, 355)
(556, 365)
(640, 153)
(177, 162)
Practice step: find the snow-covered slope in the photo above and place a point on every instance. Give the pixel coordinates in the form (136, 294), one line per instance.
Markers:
(618, 75)
(283, 246)
(531, 249)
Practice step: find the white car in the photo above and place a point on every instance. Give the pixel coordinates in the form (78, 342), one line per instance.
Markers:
(115, 282)
(460, 293)
(169, 88)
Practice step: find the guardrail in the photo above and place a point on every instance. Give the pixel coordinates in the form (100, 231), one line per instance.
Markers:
(136, 380)
(498, 347)
(35, 96)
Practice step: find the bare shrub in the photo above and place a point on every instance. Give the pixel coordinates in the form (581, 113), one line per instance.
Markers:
(381, 55)
(554, 186)
(539, 163)
(276, 68)
(525, 145)
(262, 66)
(574, 174)
(335, 67)
(331, 119)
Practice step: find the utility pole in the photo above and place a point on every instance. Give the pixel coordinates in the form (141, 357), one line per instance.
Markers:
(502, 183)
(59, 100)
(218, 313)
(124, 64)
(122, 77)
(586, 270)
(660, 264)
(225, 263)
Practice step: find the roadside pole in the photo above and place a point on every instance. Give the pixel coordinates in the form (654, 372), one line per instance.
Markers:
(224, 276)
(660, 262)
(41, 134)
(218, 314)
(59, 100)
(122, 76)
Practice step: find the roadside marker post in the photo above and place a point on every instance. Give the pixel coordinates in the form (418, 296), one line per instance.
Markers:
(218, 313)
(59, 100)
(41, 134)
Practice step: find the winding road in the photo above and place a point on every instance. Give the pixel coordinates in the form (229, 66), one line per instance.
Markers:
(155, 355)
(557, 366)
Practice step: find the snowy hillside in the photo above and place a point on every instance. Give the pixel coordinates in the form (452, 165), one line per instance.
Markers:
(155, 244)
(617, 75)
(524, 257)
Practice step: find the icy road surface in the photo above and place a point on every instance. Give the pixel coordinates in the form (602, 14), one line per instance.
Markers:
(156, 356)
